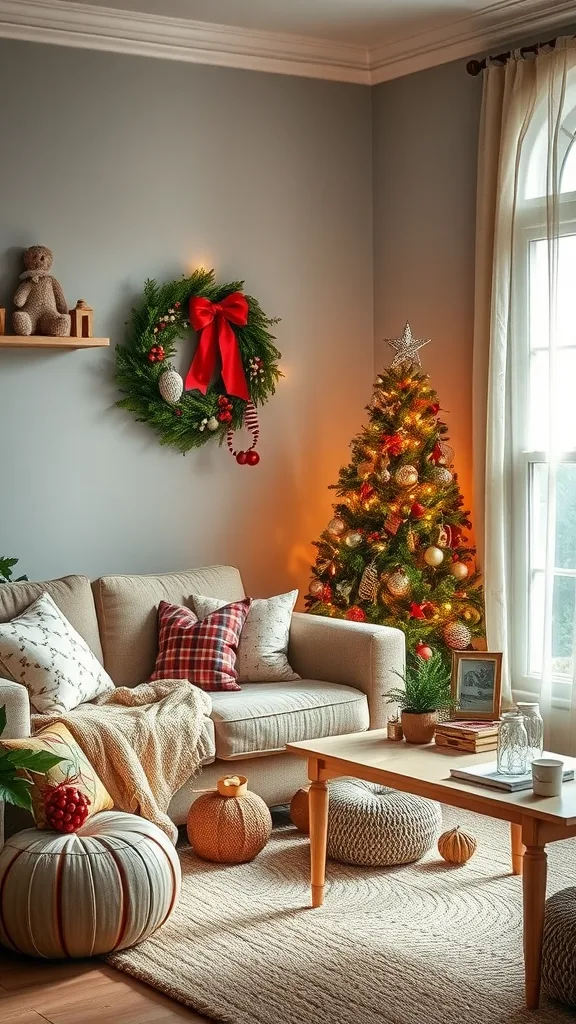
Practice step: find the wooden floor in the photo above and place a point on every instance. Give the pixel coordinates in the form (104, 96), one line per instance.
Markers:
(80, 992)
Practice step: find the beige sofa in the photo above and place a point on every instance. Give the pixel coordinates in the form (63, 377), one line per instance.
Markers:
(345, 669)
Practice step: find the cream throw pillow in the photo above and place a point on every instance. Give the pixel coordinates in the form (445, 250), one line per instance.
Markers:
(263, 649)
(42, 650)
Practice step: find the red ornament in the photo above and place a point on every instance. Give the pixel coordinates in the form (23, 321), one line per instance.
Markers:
(252, 458)
(326, 593)
(392, 523)
(156, 354)
(177, 305)
(241, 458)
(162, 326)
(355, 614)
(435, 408)
(417, 510)
(423, 651)
(372, 538)
(177, 412)
(366, 490)
(436, 453)
(66, 807)
(225, 417)
(417, 611)
(392, 444)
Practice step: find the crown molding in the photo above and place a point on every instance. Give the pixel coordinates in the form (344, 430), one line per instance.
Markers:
(66, 23)
(103, 28)
(494, 26)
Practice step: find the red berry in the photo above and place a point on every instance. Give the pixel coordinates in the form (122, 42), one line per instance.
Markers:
(177, 305)
(177, 412)
(241, 458)
(252, 458)
(61, 801)
(77, 820)
(57, 813)
(161, 327)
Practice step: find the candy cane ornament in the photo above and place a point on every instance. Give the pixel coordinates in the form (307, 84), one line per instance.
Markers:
(249, 457)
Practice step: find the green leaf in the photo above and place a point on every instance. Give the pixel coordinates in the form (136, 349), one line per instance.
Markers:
(16, 791)
(39, 761)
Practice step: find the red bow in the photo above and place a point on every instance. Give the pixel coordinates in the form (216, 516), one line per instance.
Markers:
(213, 320)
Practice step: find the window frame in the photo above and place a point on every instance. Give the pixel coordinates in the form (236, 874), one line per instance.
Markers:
(530, 225)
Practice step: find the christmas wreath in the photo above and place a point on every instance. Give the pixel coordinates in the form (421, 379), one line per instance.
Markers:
(233, 333)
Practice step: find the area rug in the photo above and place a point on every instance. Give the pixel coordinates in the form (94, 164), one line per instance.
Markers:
(427, 942)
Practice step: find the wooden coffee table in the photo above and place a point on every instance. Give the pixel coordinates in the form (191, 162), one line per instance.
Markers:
(425, 771)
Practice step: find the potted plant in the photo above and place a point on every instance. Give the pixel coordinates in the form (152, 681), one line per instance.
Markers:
(15, 789)
(6, 566)
(426, 692)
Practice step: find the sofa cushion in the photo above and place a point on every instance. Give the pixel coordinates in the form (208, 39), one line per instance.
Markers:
(127, 608)
(200, 650)
(264, 717)
(72, 595)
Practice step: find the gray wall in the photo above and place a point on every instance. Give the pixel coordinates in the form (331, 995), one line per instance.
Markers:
(425, 137)
(130, 167)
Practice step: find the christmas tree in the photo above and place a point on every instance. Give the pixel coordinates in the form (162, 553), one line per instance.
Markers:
(396, 551)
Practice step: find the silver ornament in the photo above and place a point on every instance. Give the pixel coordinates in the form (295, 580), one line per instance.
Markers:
(316, 587)
(459, 570)
(457, 636)
(406, 347)
(433, 556)
(441, 475)
(336, 526)
(406, 476)
(171, 386)
(398, 584)
(353, 539)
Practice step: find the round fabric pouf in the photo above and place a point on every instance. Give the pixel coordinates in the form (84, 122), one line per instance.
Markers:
(107, 886)
(559, 950)
(376, 826)
(229, 825)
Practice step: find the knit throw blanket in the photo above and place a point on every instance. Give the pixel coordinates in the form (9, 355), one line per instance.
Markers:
(144, 743)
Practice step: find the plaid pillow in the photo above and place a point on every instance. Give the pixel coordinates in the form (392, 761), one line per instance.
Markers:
(204, 652)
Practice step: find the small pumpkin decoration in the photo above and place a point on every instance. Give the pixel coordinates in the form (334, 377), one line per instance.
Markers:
(456, 846)
(300, 809)
(229, 825)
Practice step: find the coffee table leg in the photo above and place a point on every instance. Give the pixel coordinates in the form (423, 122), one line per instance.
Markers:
(318, 833)
(534, 890)
(517, 848)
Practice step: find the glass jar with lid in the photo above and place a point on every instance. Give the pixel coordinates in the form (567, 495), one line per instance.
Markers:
(512, 744)
(534, 726)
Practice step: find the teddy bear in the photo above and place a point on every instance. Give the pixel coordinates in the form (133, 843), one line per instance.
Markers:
(40, 304)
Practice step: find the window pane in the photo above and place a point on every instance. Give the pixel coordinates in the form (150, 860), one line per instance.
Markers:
(538, 506)
(536, 621)
(539, 291)
(566, 516)
(563, 611)
(564, 404)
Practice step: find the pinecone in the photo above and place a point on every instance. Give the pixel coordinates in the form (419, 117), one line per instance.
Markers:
(66, 808)
(368, 588)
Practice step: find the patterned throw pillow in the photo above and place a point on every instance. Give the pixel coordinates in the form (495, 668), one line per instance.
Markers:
(74, 769)
(263, 649)
(204, 652)
(42, 650)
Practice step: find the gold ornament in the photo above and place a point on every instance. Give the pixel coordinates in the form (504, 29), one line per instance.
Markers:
(398, 584)
(336, 526)
(380, 546)
(459, 570)
(411, 541)
(471, 614)
(368, 588)
(406, 476)
(364, 470)
(457, 636)
(441, 475)
(353, 539)
(433, 556)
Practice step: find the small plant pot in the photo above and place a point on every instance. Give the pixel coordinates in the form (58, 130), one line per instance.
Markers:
(419, 728)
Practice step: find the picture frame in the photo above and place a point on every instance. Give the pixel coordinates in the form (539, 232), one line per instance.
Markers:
(477, 685)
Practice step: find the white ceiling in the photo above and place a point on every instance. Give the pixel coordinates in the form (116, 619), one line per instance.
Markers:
(362, 41)
(365, 23)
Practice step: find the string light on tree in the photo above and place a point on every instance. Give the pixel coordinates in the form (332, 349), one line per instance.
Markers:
(396, 550)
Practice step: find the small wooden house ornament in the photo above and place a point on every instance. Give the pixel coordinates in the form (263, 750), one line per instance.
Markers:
(81, 320)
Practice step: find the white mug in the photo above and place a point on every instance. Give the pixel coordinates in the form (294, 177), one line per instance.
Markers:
(547, 776)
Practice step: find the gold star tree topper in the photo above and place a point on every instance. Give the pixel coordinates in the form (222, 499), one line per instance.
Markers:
(406, 347)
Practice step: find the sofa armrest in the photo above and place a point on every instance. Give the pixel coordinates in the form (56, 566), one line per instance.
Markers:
(355, 653)
(14, 697)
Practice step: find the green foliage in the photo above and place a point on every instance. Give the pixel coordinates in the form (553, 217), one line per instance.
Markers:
(179, 426)
(427, 686)
(371, 501)
(6, 566)
(15, 789)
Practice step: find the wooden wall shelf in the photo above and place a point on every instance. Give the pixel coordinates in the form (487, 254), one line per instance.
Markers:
(43, 341)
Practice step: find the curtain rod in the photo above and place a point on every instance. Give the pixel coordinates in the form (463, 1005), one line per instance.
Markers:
(475, 67)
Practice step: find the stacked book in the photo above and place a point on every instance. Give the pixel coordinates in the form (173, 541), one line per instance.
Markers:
(473, 737)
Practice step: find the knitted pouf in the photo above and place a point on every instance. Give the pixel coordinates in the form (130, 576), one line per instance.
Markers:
(105, 887)
(559, 951)
(376, 826)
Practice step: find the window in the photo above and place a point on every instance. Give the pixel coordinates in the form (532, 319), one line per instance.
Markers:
(543, 416)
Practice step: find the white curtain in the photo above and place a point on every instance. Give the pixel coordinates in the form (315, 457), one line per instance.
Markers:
(524, 107)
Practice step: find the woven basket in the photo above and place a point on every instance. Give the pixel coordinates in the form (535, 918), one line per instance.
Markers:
(230, 825)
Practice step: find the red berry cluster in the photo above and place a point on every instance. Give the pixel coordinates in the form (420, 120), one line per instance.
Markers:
(156, 354)
(66, 807)
(250, 458)
(224, 409)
